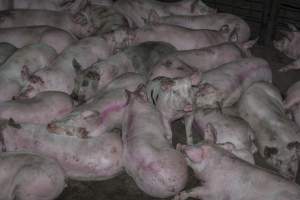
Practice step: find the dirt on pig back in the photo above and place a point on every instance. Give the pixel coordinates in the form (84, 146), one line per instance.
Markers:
(123, 187)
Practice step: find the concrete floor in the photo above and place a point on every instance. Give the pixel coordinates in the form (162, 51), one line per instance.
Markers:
(123, 187)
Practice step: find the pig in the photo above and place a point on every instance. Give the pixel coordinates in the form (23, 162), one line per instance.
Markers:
(6, 50)
(223, 86)
(225, 176)
(55, 5)
(229, 129)
(276, 135)
(172, 97)
(20, 37)
(138, 12)
(211, 22)
(79, 25)
(183, 63)
(41, 109)
(27, 176)
(61, 73)
(289, 44)
(82, 159)
(106, 19)
(181, 38)
(21, 65)
(138, 59)
(99, 114)
(106, 3)
(148, 157)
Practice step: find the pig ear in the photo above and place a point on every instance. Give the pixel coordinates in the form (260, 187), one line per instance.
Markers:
(195, 154)
(210, 133)
(196, 78)
(249, 44)
(225, 28)
(141, 92)
(153, 16)
(292, 27)
(77, 66)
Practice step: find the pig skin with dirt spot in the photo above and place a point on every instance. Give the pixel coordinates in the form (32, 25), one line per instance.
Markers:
(26, 176)
(20, 37)
(184, 63)
(224, 85)
(211, 22)
(139, 12)
(101, 113)
(20, 65)
(157, 168)
(225, 176)
(41, 109)
(82, 159)
(78, 25)
(229, 129)
(181, 38)
(61, 73)
(138, 59)
(277, 137)
(54, 5)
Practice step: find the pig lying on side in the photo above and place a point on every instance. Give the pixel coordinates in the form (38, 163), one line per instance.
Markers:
(20, 37)
(157, 168)
(61, 74)
(56, 5)
(138, 12)
(101, 113)
(230, 130)
(278, 138)
(181, 38)
(27, 176)
(6, 50)
(89, 159)
(183, 63)
(20, 66)
(138, 59)
(223, 86)
(172, 97)
(225, 176)
(41, 109)
(79, 25)
(211, 22)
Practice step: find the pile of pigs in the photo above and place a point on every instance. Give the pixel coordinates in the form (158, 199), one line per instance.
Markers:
(89, 89)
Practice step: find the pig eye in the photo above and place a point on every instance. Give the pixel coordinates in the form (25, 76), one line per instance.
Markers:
(85, 83)
(270, 151)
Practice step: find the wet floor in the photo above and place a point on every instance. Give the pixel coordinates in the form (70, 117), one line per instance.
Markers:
(123, 187)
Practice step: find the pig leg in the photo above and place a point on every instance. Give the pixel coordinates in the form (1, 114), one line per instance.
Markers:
(168, 129)
(196, 193)
(188, 129)
(292, 66)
